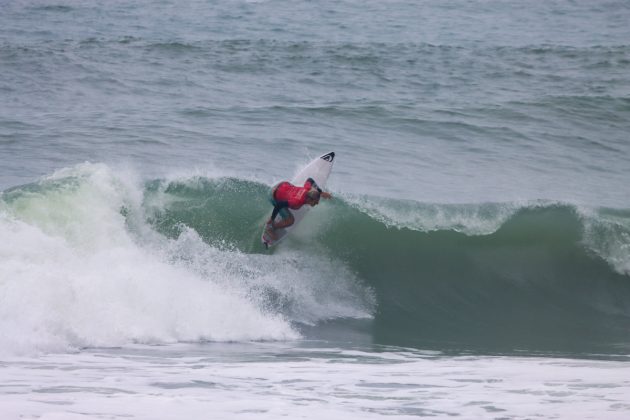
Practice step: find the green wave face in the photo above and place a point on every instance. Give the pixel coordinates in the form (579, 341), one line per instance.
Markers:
(536, 276)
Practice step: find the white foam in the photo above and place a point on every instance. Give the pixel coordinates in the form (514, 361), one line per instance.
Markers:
(275, 380)
(305, 290)
(608, 235)
(73, 276)
(81, 268)
(471, 219)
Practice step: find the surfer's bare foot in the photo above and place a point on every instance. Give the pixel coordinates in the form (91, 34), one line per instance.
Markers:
(270, 231)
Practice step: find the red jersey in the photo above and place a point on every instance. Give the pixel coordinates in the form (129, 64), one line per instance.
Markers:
(294, 196)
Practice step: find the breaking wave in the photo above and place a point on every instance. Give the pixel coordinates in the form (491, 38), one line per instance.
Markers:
(96, 257)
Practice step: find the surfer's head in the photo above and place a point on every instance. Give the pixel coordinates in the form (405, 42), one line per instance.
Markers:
(312, 197)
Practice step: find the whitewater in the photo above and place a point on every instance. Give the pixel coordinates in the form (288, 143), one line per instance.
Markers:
(78, 253)
(474, 261)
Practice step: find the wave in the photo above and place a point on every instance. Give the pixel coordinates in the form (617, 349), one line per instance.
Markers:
(224, 204)
(96, 257)
(53, 8)
(174, 46)
(81, 268)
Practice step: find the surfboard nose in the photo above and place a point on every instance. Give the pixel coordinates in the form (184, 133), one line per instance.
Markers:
(329, 157)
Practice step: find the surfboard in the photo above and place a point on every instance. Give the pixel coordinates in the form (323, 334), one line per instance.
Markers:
(319, 169)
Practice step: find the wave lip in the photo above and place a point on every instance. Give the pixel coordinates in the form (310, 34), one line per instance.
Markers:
(607, 233)
(470, 219)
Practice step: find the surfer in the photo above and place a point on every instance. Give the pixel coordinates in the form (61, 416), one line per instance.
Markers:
(285, 196)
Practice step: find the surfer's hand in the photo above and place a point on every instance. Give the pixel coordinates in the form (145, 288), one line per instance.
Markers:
(326, 195)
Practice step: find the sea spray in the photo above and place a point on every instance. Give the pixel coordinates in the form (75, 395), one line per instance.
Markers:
(82, 268)
(478, 219)
(74, 276)
(607, 233)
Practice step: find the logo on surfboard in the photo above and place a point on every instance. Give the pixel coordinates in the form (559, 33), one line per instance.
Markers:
(329, 157)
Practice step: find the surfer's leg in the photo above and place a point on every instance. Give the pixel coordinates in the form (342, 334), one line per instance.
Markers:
(271, 198)
(287, 219)
(270, 234)
(273, 202)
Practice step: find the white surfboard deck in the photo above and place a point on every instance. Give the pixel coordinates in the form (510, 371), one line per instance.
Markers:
(319, 169)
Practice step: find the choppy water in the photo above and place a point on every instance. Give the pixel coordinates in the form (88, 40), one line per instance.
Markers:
(481, 212)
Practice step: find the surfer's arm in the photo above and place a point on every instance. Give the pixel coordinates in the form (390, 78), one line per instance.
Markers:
(310, 183)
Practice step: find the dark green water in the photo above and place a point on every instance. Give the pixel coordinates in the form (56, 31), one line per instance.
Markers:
(535, 282)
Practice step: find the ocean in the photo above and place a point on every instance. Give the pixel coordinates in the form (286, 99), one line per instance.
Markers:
(473, 262)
